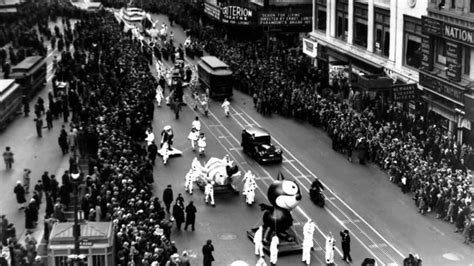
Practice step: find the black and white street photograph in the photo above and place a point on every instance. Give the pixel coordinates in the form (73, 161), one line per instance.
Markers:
(236, 132)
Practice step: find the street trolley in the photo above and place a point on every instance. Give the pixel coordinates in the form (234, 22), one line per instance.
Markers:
(10, 101)
(30, 74)
(96, 243)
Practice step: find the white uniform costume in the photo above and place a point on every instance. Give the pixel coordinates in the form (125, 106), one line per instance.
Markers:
(191, 176)
(150, 137)
(201, 142)
(250, 193)
(261, 262)
(159, 95)
(226, 106)
(194, 134)
(274, 249)
(330, 243)
(257, 240)
(209, 193)
(308, 230)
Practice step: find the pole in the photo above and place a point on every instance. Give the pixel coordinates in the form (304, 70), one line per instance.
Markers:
(76, 227)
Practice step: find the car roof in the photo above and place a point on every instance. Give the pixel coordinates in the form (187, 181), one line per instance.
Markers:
(257, 131)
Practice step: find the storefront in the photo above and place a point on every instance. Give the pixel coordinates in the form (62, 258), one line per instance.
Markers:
(445, 75)
(96, 244)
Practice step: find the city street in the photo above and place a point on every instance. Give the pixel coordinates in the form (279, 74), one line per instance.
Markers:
(384, 223)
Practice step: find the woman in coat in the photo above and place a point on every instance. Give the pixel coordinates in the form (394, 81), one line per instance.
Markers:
(20, 192)
(178, 214)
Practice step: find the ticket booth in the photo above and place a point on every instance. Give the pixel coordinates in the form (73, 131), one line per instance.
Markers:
(96, 244)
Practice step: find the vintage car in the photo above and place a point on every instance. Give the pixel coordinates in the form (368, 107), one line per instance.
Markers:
(256, 142)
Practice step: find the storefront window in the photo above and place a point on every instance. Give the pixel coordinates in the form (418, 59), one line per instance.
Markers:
(360, 24)
(342, 20)
(412, 41)
(382, 32)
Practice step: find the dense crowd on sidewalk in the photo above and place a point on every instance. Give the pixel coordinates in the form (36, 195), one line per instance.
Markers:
(110, 95)
(418, 154)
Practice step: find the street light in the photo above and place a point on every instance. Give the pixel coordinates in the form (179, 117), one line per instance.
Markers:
(77, 257)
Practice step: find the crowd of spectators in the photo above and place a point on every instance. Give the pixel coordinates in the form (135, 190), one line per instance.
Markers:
(116, 93)
(419, 155)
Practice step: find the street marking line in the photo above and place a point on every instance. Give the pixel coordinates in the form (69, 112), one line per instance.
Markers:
(381, 245)
(213, 125)
(287, 161)
(330, 198)
(235, 149)
(223, 137)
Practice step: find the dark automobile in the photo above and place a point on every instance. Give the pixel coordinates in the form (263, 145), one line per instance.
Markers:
(256, 142)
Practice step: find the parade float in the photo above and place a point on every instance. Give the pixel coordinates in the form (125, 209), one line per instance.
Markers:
(284, 196)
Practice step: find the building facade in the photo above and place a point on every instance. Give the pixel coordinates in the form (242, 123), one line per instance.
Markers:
(383, 45)
(447, 71)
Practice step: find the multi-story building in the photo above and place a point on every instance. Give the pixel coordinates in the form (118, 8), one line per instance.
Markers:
(382, 44)
(447, 72)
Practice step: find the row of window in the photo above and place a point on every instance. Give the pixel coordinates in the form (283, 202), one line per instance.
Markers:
(411, 27)
(452, 4)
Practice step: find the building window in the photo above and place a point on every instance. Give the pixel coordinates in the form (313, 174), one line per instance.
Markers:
(472, 6)
(440, 51)
(412, 41)
(467, 60)
(453, 4)
(342, 22)
(360, 24)
(382, 32)
(320, 19)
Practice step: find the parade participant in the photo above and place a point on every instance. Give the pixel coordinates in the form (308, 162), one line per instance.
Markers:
(261, 261)
(308, 231)
(317, 185)
(209, 193)
(159, 95)
(258, 241)
(194, 134)
(330, 245)
(274, 250)
(201, 142)
(205, 104)
(250, 192)
(167, 136)
(150, 136)
(246, 178)
(190, 177)
(226, 106)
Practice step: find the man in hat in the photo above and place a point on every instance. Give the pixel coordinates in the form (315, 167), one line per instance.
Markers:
(346, 245)
(201, 143)
(207, 250)
(168, 197)
(20, 192)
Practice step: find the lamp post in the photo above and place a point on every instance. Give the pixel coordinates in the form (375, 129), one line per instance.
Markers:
(76, 258)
